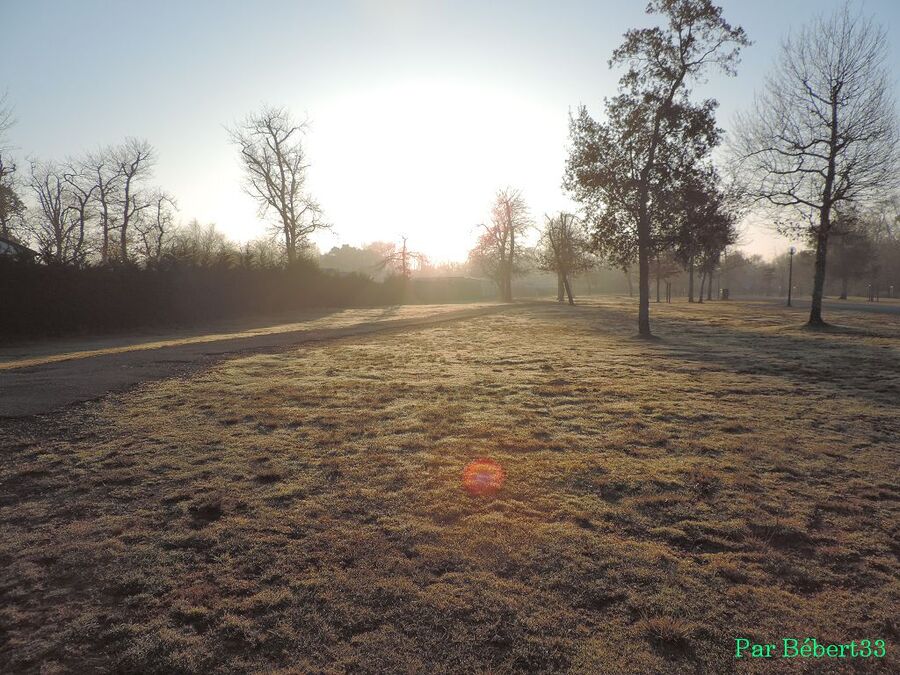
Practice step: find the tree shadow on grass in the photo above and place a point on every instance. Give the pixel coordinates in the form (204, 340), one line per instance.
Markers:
(825, 358)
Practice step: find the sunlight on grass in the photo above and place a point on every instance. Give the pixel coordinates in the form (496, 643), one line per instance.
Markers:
(309, 508)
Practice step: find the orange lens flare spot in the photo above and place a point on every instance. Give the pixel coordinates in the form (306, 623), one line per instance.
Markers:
(483, 477)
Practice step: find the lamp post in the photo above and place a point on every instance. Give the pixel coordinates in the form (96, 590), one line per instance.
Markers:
(791, 252)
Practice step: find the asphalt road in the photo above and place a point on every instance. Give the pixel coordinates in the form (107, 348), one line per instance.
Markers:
(43, 388)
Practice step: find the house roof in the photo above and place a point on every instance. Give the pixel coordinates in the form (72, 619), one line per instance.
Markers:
(8, 247)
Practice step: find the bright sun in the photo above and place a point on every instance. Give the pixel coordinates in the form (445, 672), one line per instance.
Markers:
(423, 158)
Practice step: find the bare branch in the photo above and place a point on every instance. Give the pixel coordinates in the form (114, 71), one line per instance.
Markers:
(275, 168)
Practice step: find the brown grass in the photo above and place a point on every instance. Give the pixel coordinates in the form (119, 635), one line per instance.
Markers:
(304, 511)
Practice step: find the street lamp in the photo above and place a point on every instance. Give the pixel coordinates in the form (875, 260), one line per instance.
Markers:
(791, 251)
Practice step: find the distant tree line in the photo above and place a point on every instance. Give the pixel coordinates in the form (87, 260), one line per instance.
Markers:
(111, 256)
(818, 155)
(41, 300)
(208, 278)
(100, 209)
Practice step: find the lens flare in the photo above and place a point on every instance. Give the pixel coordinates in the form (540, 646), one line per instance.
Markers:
(483, 477)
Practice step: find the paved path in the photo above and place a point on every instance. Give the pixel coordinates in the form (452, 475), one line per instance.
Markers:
(44, 384)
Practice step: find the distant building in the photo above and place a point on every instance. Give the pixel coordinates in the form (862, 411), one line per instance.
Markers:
(13, 250)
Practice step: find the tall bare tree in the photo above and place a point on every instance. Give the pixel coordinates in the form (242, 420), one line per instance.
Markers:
(403, 260)
(621, 163)
(497, 252)
(155, 226)
(80, 189)
(106, 175)
(823, 131)
(60, 241)
(275, 166)
(12, 207)
(564, 248)
(134, 160)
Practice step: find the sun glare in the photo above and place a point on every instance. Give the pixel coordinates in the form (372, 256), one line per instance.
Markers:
(423, 158)
(483, 478)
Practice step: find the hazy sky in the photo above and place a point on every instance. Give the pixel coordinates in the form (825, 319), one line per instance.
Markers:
(419, 110)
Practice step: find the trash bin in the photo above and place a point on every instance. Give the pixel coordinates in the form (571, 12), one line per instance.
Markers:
(723, 294)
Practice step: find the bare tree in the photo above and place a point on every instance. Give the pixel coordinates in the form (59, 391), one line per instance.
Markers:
(7, 120)
(200, 245)
(564, 248)
(12, 207)
(134, 160)
(823, 131)
(80, 190)
(496, 252)
(107, 177)
(155, 226)
(261, 253)
(275, 167)
(403, 260)
(57, 233)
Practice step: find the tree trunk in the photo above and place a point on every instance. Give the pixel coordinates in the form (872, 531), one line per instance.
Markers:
(702, 282)
(104, 249)
(512, 258)
(501, 279)
(644, 279)
(123, 243)
(568, 289)
(628, 279)
(290, 248)
(559, 287)
(845, 282)
(815, 311)
(691, 280)
(80, 245)
(709, 287)
(657, 278)
(123, 232)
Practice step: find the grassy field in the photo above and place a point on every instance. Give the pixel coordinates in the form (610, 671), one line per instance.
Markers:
(304, 511)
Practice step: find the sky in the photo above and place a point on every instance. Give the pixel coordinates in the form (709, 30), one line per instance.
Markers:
(418, 110)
